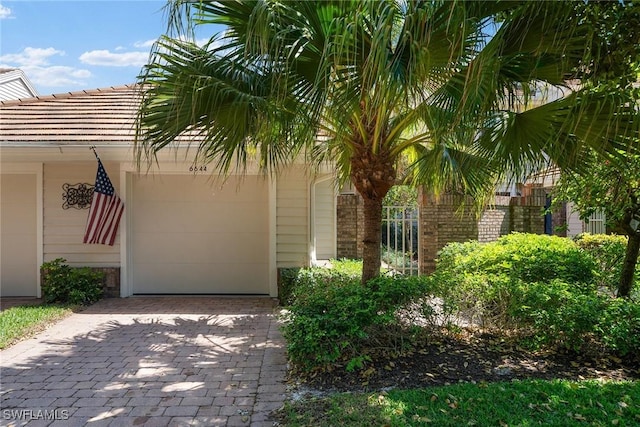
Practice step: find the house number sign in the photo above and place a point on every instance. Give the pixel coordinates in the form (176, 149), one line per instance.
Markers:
(202, 168)
(77, 196)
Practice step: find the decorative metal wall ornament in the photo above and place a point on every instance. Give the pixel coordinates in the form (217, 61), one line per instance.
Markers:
(77, 196)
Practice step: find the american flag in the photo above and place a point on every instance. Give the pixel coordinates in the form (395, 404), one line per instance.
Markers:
(105, 212)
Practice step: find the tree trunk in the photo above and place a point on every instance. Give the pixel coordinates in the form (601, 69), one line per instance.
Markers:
(629, 265)
(372, 173)
(371, 254)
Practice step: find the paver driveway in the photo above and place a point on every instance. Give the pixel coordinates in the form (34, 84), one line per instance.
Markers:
(148, 361)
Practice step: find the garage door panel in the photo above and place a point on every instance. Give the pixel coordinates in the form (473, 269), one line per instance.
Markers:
(236, 247)
(18, 214)
(241, 217)
(225, 217)
(238, 190)
(182, 188)
(18, 265)
(200, 278)
(161, 215)
(190, 237)
(170, 187)
(18, 236)
(200, 247)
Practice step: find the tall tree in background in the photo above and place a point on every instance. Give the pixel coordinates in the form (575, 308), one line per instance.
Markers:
(612, 186)
(446, 87)
(611, 183)
(614, 42)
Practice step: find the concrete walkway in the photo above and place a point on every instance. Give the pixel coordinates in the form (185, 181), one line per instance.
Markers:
(149, 361)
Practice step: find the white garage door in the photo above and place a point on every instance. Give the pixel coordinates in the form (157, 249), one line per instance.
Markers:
(190, 236)
(18, 237)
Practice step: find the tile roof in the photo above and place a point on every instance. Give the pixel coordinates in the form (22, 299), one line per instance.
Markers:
(88, 116)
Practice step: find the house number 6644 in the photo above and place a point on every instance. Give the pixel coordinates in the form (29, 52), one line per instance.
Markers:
(197, 168)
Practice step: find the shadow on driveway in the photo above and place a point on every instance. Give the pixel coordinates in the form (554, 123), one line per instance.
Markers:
(150, 361)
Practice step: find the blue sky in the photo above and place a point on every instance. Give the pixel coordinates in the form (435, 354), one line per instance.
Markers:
(66, 46)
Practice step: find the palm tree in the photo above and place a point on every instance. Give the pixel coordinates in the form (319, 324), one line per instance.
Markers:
(442, 87)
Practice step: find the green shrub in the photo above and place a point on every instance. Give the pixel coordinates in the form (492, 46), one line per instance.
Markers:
(543, 287)
(487, 283)
(530, 257)
(332, 316)
(293, 278)
(64, 284)
(325, 318)
(349, 267)
(619, 326)
(286, 284)
(535, 257)
(555, 315)
(608, 250)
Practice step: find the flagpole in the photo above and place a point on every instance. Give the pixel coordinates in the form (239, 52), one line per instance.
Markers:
(93, 148)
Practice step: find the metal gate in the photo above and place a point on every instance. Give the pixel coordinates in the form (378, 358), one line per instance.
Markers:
(400, 239)
(597, 223)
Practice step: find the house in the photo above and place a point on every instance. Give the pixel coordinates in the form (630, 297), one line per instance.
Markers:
(565, 221)
(14, 84)
(185, 230)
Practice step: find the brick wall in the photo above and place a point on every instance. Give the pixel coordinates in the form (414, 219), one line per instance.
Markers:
(110, 282)
(442, 220)
(494, 223)
(559, 220)
(350, 228)
(527, 214)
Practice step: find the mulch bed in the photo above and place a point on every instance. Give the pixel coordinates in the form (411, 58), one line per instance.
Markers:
(474, 358)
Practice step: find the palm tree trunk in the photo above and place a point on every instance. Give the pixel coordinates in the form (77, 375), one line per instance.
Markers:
(629, 265)
(371, 254)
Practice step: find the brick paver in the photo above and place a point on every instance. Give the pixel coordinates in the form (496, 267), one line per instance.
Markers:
(146, 361)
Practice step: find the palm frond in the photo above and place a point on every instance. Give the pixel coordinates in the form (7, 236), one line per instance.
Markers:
(453, 81)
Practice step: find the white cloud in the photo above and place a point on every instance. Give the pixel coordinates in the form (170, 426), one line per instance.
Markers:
(198, 42)
(31, 56)
(5, 12)
(110, 59)
(147, 43)
(55, 75)
(36, 64)
(215, 44)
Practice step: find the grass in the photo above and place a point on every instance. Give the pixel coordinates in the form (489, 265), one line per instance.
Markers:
(17, 323)
(517, 403)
